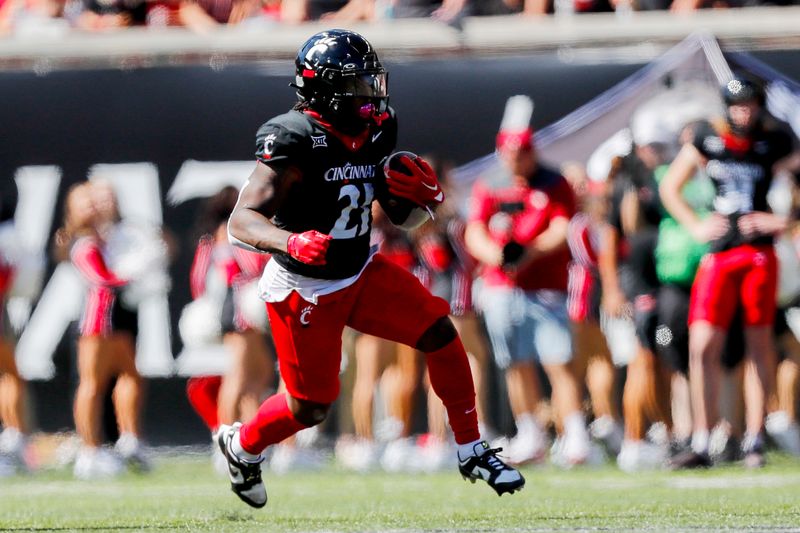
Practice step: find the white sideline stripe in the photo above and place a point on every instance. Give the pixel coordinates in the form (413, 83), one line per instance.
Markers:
(108, 488)
(735, 482)
(716, 482)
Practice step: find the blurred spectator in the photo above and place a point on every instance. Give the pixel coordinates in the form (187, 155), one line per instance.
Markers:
(106, 342)
(33, 17)
(396, 368)
(739, 154)
(517, 230)
(223, 282)
(630, 284)
(228, 275)
(13, 439)
(592, 362)
(341, 11)
(101, 15)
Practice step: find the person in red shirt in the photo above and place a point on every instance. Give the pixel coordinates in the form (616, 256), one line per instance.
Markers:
(517, 230)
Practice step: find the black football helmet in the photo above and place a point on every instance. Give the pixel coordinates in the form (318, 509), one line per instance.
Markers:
(743, 88)
(333, 68)
(740, 89)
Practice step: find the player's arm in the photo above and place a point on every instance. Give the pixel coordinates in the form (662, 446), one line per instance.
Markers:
(679, 173)
(551, 240)
(613, 299)
(481, 245)
(88, 260)
(250, 227)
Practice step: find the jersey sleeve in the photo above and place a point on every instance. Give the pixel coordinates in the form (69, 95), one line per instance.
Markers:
(480, 204)
(703, 130)
(88, 259)
(277, 144)
(200, 266)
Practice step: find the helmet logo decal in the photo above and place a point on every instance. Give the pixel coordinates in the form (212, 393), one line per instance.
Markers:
(269, 144)
(319, 142)
(735, 86)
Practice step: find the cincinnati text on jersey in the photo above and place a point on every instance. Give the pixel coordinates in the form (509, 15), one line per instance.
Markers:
(350, 172)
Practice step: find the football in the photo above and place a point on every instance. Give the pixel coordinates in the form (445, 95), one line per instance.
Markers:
(393, 162)
(396, 207)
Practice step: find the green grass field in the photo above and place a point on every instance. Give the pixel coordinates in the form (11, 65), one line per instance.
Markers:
(183, 494)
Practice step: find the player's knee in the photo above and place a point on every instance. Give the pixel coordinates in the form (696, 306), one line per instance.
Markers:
(307, 412)
(437, 336)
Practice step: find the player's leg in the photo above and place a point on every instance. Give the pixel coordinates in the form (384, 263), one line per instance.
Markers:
(712, 305)
(781, 423)
(203, 392)
(94, 375)
(420, 320)
(258, 364)
(13, 438)
(12, 409)
(371, 356)
(475, 342)
(510, 331)
(758, 290)
(308, 341)
(95, 370)
(553, 344)
(232, 386)
(128, 397)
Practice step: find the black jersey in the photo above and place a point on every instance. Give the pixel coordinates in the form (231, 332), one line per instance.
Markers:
(335, 193)
(742, 176)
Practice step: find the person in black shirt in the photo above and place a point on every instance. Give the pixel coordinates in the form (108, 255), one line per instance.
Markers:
(739, 155)
(308, 202)
(630, 286)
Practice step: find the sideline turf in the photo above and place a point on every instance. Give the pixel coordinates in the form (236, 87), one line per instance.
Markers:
(184, 495)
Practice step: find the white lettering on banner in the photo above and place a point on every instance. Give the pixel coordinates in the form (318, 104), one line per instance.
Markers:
(59, 305)
(38, 193)
(350, 172)
(201, 179)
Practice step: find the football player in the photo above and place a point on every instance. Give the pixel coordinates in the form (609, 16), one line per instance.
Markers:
(308, 203)
(739, 155)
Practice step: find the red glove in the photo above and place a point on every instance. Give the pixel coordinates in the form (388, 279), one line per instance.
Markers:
(309, 247)
(421, 187)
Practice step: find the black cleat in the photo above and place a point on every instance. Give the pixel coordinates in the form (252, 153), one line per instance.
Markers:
(689, 459)
(485, 465)
(245, 476)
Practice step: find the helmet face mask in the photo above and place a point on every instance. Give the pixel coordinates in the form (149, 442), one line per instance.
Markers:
(339, 75)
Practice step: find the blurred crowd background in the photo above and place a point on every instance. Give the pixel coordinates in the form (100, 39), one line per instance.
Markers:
(21, 16)
(147, 156)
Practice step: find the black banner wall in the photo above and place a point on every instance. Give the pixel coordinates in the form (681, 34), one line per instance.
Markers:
(73, 120)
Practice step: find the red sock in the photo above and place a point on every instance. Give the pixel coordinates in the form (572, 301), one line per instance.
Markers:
(273, 423)
(202, 392)
(451, 380)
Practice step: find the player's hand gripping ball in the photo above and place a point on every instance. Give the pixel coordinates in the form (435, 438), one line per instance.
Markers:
(411, 178)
